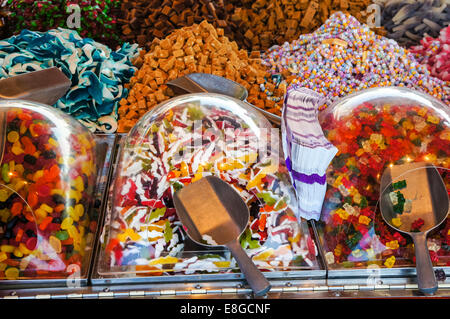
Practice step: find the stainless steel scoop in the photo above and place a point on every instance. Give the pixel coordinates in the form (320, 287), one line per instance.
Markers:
(429, 201)
(204, 82)
(213, 213)
(44, 86)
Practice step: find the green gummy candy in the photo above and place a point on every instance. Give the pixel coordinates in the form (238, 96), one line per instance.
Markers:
(62, 235)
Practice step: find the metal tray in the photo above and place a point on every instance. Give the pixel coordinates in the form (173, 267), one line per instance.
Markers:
(381, 272)
(218, 279)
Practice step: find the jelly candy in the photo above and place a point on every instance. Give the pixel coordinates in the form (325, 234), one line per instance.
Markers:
(32, 169)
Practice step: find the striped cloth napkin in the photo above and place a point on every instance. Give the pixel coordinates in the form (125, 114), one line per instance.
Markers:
(307, 152)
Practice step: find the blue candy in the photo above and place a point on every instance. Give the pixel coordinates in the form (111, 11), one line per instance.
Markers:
(98, 74)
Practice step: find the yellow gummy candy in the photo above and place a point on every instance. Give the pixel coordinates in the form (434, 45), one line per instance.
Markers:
(390, 262)
(7, 248)
(184, 169)
(3, 256)
(364, 220)
(392, 244)
(3, 195)
(12, 273)
(79, 210)
(164, 260)
(47, 208)
(222, 264)
(133, 235)
(75, 195)
(18, 253)
(17, 148)
(342, 213)
(24, 249)
(66, 223)
(79, 184)
(255, 181)
(40, 213)
(197, 176)
(13, 137)
(55, 243)
(264, 255)
(38, 175)
(396, 222)
(433, 119)
(52, 141)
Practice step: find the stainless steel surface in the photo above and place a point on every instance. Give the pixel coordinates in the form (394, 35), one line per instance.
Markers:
(211, 207)
(44, 86)
(287, 289)
(3, 126)
(203, 82)
(430, 203)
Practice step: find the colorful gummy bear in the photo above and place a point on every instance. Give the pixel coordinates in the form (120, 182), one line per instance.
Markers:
(408, 133)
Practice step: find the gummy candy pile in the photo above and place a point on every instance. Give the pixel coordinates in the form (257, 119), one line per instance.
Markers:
(369, 139)
(144, 231)
(44, 204)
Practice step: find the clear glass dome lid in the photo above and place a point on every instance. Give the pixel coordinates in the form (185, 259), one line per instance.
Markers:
(179, 142)
(48, 172)
(374, 129)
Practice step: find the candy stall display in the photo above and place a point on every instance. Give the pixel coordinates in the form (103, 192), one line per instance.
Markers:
(344, 56)
(49, 169)
(372, 130)
(179, 142)
(98, 74)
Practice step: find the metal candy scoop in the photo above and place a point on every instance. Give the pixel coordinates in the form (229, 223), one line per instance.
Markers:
(204, 82)
(429, 201)
(213, 213)
(44, 86)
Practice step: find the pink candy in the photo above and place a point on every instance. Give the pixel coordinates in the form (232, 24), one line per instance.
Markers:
(435, 54)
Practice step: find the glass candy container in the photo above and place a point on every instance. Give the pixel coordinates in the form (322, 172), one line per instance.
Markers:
(179, 142)
(48, 175)
(372, 129)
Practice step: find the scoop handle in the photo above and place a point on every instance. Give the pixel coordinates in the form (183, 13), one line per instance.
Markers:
(426, 279)
(259, 284)
(275, 119)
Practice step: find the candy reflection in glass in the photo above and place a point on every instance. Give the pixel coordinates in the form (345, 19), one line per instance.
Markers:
(47, 178)
(370, 137)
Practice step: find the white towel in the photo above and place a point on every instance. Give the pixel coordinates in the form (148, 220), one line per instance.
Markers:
(308, 153)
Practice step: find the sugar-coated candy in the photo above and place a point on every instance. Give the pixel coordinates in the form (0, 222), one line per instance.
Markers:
(344, 56)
